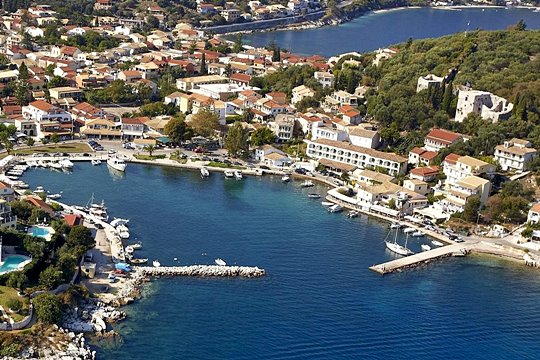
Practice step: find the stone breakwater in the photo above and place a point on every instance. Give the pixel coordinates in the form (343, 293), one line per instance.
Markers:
(203, 271)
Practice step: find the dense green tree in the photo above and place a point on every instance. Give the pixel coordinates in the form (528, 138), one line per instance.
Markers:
(203, 70)
(17, 280)
(177, 129)
(236, 140)
(205, 122)
(80, 235)
(48, 308)
(51, 277)
(261, 136)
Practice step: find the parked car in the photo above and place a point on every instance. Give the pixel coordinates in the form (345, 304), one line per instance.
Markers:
(264, 167)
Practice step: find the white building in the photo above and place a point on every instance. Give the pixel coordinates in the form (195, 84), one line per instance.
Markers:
(356, 156)
(301, 92)
(438, 139)
(483, 103)
(457, 167)
(534, 214)
(359, 136)
(326, 79)
(429, 81)
(271, 156)
(283, 127)
(461, 191)
(515, 154)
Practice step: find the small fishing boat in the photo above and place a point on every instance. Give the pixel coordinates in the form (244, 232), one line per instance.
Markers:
(54, 196)
(409, 230)
(117, 163)
(229, 173)
(204, 172)
(314, 196)
(220, 262)
(138, 261)
(326, 203)
(425, 247)
(418, 233)
(437, 243)
(238, 175)
(307, 183)
(136, 246)
(352, 214)
(285, 178)
(95, 162)
(156, 263)
(335, 208)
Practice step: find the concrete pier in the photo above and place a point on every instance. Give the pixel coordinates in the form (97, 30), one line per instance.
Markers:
(420, 258)
(203, 271)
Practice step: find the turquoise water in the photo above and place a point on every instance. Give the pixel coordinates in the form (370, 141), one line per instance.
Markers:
(11, 263)
(370, 32)
(319, 300)
(40, 232)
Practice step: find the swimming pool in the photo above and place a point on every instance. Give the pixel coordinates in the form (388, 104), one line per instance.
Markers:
(13, 262)
(44, 232)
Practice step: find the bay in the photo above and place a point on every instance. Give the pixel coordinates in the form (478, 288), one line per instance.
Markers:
(318, 301)
(376, 30)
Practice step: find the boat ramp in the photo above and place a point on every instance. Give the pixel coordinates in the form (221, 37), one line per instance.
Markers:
(421, 258)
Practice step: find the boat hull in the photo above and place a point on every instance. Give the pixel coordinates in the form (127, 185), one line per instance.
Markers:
(398, 249)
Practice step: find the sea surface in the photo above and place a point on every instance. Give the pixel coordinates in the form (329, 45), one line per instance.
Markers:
(318, 301)
(375, 30)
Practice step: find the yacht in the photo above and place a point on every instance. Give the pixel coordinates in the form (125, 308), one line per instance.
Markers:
(285, 178)
(395, 247)
(352, 214)
(116, 163)
(437, 243)
(95, 162)
(327, 203)
(98, 210)
(335, 208)
(39, 189)
(238, 175)
(118, 221)
(54, 196)
(66, 164)
(314, 196)
(204, 172)
(409, 230)
(425, 247)
(229, 173)
(55, 165)
(123, 234)
(220, 262)
(307, 183)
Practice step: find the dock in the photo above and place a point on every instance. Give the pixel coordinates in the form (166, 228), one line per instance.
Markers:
(421, 258)
(202, 271)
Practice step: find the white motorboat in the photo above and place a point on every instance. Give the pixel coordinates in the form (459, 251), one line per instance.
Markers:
(238, 175)
(156, 263)
(314, 196)
(95, 162)
(123, 235)
(335, 208)
(129, 249)
(39, 189)
(55, 165)
(397, 248)
(437, 243)
(409, 230)
(425, 247)
(229, 173)
(138, 261)
(121, 228)
(327, 203)
(118, 221)
(116, 163)
(21, 185)
(352, 214)
(418, 233)
(137, 245)
(54, 196)
(32, 163)
(395, 226)
(43, 163)
(285, 178)
(204, 172)
(220, 262)
(98, 210)
(66, 164)
(307, 183)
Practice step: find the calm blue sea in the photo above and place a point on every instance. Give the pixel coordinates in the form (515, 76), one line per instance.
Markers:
(370, 32)
(319, 300)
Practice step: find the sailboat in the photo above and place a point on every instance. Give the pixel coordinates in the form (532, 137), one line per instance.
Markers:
(395, 247)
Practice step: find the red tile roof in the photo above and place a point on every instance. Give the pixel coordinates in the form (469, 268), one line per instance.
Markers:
(443, 136)
(452, 158)
(73, 219)
(425, 170)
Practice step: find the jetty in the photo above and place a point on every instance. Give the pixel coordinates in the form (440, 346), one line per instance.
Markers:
(202, 271)
(421, 258)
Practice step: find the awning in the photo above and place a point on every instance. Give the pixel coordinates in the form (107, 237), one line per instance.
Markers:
(337, 165)
(164, 139)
